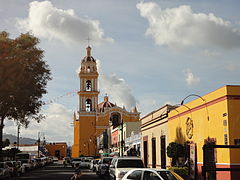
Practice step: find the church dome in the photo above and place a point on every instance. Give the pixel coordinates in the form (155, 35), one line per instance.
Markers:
(88, 57)
(105, 104)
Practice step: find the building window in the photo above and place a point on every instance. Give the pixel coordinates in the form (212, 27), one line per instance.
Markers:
(237, 141)
(115, 120)
(225, 139)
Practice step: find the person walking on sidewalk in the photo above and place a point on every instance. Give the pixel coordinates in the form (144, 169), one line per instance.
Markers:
(77, 173)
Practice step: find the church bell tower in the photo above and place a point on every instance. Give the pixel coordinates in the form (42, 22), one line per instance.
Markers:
(88, 94)
(85, 120)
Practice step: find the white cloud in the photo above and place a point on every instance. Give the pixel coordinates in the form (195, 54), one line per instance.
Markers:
(209, 53)
(179, 27)
(56, 126)
(45, 20)
(117, 89)
(190, 78)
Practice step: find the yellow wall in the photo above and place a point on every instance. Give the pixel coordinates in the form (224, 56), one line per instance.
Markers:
(234, 122)
(214, 105)
(91, 125)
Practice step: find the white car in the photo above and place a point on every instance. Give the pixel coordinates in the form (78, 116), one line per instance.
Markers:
(93, 164)
(4, 171)
(76, 162)
(121, 165)
(26, 164)
(85, 163)
(151, 174)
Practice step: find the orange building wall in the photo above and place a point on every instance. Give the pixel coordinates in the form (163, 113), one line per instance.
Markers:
(53, 147)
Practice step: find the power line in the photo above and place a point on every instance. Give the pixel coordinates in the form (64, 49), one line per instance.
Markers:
(68, 94)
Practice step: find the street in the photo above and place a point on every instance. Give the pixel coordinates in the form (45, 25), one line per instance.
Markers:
(56, 171)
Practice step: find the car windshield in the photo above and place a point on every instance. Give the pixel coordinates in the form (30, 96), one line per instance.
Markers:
(76, 159)
(24, 160)
(107, 160)
(166, 175)
(128, 163)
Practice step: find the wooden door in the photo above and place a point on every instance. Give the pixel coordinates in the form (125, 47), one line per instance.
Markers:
(153, 152)
(163, 152)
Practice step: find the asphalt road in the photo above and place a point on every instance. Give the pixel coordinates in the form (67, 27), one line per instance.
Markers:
(56, 171)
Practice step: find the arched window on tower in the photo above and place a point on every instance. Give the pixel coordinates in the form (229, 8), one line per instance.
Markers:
(88, 105)
(88, 69)
(88, 85)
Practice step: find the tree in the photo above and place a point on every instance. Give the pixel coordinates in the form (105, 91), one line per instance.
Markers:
(23, 79)
(11, 153)
(174, 151)
(6, 142)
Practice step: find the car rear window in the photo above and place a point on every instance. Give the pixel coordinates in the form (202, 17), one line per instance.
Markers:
(130, 163)
(107, 160)
(76, 159)
(166, 175)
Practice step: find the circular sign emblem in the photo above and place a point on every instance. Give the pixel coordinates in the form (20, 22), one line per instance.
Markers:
(189, 128)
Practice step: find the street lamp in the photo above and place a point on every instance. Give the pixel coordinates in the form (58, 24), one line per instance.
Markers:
(122, 143)
(18, 132)
(201, 99)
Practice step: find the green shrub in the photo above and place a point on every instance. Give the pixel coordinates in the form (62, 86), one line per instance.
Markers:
(181, 171)
(174, 151)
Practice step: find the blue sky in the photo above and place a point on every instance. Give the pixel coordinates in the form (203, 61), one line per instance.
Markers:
(150, 52)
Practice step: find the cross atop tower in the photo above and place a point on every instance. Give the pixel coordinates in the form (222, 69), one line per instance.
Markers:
(88, 39)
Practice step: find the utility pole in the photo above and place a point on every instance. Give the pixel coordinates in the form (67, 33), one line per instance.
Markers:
(122, 143)
(18, 132)
(38, 144)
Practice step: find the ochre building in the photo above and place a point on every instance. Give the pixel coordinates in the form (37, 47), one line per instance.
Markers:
(211, 119)
(154, 130)
(92, 118)
(58, 149)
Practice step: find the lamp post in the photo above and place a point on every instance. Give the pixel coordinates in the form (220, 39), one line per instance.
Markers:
(122, 143)
(201, 99)
(18, 132)
(38, 144)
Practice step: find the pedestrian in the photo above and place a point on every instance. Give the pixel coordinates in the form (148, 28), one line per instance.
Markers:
(77, 173)
(64, 163)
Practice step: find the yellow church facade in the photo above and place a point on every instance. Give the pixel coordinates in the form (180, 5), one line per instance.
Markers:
(93, 118)
(213, 118)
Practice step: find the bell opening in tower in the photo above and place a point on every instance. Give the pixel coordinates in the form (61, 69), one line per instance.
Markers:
(88, 85)
(88, 105)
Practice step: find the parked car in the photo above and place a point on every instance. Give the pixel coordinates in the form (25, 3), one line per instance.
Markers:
(55, 159)
(75, 162)
(103, 166)
(93, 164)
(12, 168)
(67, 159)
(121, 165)
(4, 171)
(20, 168)
(151, 174)
(85, 162)
(34, 163)
(27, 164)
